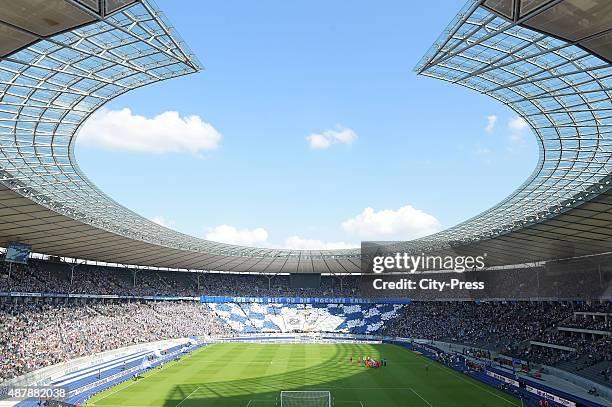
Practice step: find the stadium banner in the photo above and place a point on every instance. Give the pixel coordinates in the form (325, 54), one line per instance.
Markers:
(502, 378)
(18, 294)
(302, 300)
(550, 396)
(17, 252)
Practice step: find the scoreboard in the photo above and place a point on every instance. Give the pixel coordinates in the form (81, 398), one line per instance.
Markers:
(17, 252)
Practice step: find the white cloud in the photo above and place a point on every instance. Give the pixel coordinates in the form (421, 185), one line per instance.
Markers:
(318, 141)
(518, 123)
(491, 121)
(328, 137)
(232, 235)
(298, 243)
(517, 127)
(404, 223)
(162, 221)
(166, 132)
(259, 237)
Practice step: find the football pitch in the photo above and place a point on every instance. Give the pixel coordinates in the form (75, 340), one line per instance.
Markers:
(253, 375)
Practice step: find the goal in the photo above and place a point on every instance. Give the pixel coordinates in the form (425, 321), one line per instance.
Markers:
(305, 399)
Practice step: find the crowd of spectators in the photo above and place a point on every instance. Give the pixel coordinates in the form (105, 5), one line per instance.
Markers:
(490, 325)
(35, 335)
(511, 327)
(48, 277)
(585, 351)
(589, 323)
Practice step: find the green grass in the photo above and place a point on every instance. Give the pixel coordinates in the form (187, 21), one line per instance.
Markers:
(238, 374)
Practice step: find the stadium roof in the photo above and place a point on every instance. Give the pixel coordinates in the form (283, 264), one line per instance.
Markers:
(547, 60)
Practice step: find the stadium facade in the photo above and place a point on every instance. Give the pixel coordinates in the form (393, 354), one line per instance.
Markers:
(61, 63)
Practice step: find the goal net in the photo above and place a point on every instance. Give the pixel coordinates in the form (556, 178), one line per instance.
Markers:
(305, 399)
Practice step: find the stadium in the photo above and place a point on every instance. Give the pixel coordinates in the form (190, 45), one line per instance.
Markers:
(100, 306)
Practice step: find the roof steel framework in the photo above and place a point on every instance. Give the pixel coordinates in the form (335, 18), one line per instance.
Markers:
(49, 88)
(560, 89)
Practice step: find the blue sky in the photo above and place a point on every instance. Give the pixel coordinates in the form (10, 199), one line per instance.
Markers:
(308, 114)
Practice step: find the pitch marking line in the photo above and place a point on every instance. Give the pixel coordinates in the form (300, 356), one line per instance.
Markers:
(421, 397)
(189, 395)
(123, 405)
(463, 377)
(370, 388)
(256, 400)
(125, 387)
(147, 375)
